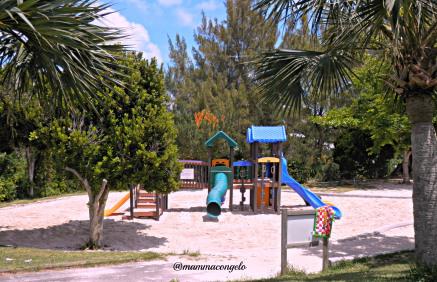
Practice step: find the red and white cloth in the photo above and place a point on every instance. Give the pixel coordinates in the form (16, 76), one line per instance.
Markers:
(323, 222)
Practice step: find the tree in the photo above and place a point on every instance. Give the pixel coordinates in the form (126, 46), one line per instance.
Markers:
(18, 119)
(54, 51)
(129, 140)
(218, 78)
(403, 32)
(372, 111)
(56, 44)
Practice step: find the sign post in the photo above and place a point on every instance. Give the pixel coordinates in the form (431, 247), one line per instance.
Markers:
(325, 255)
(297, 231)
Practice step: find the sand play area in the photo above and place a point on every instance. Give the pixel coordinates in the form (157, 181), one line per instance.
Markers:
(376, 220)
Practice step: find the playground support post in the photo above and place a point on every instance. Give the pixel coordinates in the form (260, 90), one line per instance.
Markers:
(131, 201)
(157, 205)
(230, 185)
(284, 248)
(254, 152)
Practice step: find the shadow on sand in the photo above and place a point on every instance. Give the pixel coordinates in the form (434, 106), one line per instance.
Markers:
(117, 235)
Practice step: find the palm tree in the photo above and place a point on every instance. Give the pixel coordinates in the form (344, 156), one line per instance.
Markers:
(58, 50)
(402, 32)
(56, 45)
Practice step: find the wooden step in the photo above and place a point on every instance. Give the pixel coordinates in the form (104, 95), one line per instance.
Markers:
(144, 213)
(146, 205)
(146, 200)
(146, 194)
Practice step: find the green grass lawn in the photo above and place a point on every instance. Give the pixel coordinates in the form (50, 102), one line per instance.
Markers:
(392, 267)
(31, 259)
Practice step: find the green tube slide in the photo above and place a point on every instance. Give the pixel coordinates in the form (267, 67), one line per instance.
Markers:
(217, 195)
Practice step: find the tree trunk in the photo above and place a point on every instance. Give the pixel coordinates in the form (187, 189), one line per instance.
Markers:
(406, 167)
(420, 109)
(31, 162)
(96, 209)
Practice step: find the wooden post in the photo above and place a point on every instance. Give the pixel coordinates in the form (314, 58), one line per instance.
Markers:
(278, 197)
(166, 201)
(325, 254)
(283, 241)
(209, 167)
(230, 185)
(131, 201)
(137, 192)
(255, 176)
(263, 176)
(157, 202)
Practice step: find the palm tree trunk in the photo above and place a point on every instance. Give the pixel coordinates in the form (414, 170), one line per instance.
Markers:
(420, 109)
(31, 158)
(406, 167)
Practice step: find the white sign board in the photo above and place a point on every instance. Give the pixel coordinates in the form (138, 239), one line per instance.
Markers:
(300, 229)
(187, 174)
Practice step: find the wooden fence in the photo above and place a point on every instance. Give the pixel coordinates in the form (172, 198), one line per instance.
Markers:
(194, 175)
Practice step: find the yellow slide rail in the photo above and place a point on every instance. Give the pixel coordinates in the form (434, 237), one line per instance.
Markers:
(117, 205)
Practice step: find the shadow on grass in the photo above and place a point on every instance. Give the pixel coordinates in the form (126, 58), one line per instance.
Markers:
(365, 245)
(390, 267)
(117, 235)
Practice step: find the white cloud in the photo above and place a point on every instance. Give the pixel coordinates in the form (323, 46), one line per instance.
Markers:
(139, 4)
(185, 17)
(208, 5)
(170, 2)
(138, 36)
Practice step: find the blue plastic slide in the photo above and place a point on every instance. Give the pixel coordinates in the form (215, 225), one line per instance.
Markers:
(306, 194)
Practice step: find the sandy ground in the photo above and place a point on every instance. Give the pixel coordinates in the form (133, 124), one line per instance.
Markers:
(375, 221)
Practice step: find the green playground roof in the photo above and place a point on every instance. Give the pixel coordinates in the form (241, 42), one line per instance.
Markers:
(220, 135)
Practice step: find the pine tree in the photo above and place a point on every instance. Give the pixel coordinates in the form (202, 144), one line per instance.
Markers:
(219, 78)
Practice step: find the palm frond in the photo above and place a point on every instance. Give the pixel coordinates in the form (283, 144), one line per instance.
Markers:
(322, 13)
(286, 76)
(403, 30)
(57, 44)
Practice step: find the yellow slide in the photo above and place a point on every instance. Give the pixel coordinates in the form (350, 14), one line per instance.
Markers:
(117, 205)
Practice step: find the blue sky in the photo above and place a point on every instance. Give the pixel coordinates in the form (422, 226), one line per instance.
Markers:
(149, 22)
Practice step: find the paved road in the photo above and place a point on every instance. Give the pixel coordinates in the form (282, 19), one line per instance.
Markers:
(143, 271)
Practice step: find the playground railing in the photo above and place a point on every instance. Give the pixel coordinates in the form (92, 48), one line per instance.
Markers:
(161, 204)
(194, 174)
(133, 199)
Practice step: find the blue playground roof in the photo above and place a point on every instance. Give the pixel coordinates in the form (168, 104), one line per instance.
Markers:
(242, 163)
(266, 134)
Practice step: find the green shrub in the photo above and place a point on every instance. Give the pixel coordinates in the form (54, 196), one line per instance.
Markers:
(12, 175)
(330, 171)
(51, 180)
(299, 171)
(422, 274)
(351, 152)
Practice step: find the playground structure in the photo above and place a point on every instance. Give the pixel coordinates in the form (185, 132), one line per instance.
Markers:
(142, 204)
(221, 175)
(262, 175)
